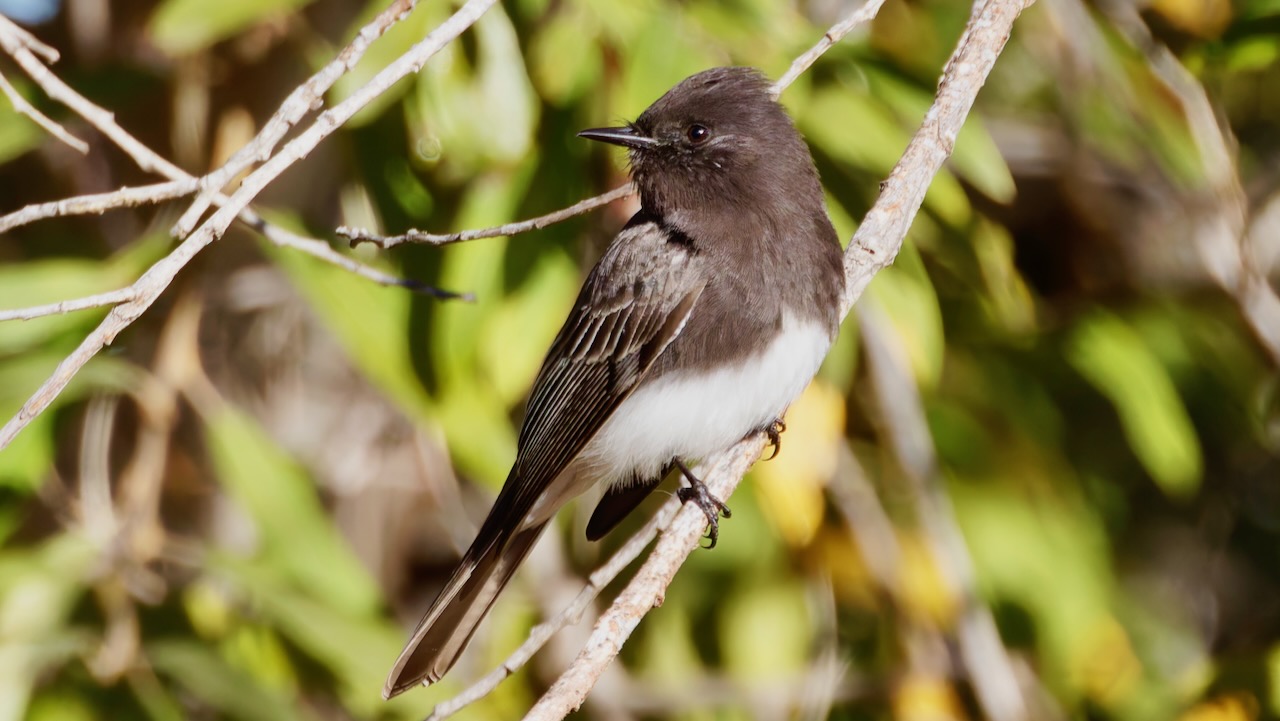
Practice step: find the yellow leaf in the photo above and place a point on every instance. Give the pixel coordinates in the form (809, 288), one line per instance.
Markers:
(1105, 665)
(926, 698)
(1241, 706)
(790, 486)
(925, 594)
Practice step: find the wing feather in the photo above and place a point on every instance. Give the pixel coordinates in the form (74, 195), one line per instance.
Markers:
(633, 304)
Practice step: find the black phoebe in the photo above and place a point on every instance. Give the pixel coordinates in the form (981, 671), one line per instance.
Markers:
(709, 313)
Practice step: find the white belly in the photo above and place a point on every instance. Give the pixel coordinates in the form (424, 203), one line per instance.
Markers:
(691, 416)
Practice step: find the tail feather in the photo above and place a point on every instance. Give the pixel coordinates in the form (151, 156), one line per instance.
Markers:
(446, 628)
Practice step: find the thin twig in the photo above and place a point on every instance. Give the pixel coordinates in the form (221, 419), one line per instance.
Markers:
(67, 306)
(154, 281)
(833, 35)
(303, 100)
(33, 43)
(538, 637)
(99, 203)
(361, 235)
(873, 247)
(322, 250)
(21, 105)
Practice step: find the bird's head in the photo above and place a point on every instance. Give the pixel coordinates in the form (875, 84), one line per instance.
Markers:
(716, 140)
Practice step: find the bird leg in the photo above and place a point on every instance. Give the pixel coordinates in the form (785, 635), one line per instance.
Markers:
(774, 432)
(710, 506)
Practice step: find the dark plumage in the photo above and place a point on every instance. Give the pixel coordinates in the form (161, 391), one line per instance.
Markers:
(704, 319)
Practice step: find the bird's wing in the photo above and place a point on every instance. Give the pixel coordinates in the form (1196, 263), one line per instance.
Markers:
(633, 304)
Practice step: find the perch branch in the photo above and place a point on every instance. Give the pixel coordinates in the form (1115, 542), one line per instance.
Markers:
(572, 613)
(874, 246)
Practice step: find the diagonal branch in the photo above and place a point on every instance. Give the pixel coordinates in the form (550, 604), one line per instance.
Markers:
(21, 105)
(360, 235)
(832, 36)
(159, 276)
(873, 248)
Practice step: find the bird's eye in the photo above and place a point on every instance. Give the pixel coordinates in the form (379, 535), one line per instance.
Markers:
(698, 134)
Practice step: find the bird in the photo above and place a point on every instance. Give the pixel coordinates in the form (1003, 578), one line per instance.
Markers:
(708, 314)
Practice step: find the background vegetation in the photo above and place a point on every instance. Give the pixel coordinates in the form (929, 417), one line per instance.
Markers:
(239, 510)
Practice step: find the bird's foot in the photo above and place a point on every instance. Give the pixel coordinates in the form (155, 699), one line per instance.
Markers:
(710, 506)
(774, 432)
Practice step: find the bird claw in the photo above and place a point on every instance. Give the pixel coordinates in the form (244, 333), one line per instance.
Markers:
(774, 432)
(710, 506)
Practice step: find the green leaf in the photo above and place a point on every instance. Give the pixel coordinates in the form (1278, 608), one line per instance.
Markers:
(368, 320)
(562, 64)
(39, 282)
(357, 647)
(204, 673)
(24, 465)
(179, 27)
(38, 589)
(906, 295)
(1112, 357)
(297, 533)
(765, 632)
(18, 134)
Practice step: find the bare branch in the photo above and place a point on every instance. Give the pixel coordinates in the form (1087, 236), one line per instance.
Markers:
(323, 251)
(67, 306)
(303, 100)
(874, 246)
(647, 589)
(833, 35)
(360, 235)
(157, 277)
(33, 43)
(99, 203)
(21, 105)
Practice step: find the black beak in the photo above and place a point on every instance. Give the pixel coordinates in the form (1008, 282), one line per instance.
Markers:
(628, 137)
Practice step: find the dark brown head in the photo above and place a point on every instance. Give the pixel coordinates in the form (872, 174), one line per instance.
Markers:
(718, 141)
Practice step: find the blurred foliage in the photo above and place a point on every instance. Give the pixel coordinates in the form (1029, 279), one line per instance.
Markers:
(239, 509)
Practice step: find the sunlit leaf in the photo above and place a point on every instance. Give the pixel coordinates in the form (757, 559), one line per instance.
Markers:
(906, 295)
(791, 485)
(202, 672)
(185, 26)
(764, 631)
(295, 529)
(1118, 363)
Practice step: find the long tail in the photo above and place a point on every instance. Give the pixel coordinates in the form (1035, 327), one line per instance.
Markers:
(450, 622)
